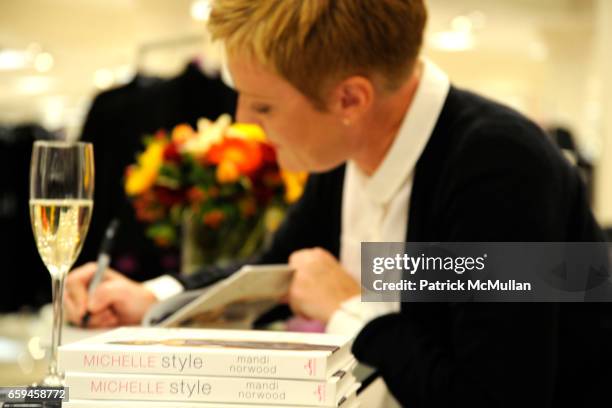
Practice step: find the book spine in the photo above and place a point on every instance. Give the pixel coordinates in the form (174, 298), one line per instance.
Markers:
(201, 389)
(185, 363)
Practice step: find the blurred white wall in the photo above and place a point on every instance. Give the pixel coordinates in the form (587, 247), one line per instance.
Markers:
(603, 109)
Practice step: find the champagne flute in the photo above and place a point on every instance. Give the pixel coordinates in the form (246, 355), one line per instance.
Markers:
(61, 203)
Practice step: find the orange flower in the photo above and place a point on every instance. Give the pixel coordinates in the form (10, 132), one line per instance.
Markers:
(213, 218)
(181, 133)
(227, 172)
(245, 155)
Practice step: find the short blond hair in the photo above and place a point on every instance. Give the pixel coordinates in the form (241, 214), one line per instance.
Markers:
(311, 43)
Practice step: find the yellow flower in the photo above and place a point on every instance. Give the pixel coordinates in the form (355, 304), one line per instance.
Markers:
(273, 217)
(140, 178)
(247, 131)
(153, 156)
(294, 185)
(138, 181)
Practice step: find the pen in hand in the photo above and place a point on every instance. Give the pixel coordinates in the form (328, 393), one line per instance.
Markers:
(103, 263)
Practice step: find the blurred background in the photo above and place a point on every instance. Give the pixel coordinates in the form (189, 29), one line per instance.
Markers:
(108, 71)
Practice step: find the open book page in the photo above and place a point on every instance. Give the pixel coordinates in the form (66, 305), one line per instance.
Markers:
(235, 302)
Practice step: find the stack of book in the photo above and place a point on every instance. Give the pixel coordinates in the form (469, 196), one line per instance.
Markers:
(180, 368)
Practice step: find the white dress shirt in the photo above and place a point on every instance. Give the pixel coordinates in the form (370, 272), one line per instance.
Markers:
(374, 208)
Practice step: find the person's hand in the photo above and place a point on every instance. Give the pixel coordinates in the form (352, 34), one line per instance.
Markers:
(319, 285)
(116, 301)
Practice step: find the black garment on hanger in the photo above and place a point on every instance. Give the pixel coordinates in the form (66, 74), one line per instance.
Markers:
(25, 279)
(566, 141)
(116, 124)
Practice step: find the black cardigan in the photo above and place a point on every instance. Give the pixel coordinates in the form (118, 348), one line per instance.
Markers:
(486, 174)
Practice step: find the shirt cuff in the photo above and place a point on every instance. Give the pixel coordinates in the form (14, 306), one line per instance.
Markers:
(164, 287)
(353, 314)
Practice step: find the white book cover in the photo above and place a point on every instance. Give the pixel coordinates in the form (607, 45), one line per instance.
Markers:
(211, 389)
(350, 401)
(231, 353)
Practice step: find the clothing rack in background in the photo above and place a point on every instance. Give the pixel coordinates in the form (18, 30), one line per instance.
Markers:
(166, 43)
(210, 64)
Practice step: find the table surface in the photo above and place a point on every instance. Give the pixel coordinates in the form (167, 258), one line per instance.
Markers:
(24, 337)
(24, 340)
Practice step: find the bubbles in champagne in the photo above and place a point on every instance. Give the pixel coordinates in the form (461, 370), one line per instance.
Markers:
(60, 227)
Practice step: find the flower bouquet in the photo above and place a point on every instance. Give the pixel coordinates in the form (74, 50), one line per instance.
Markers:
(217, 192)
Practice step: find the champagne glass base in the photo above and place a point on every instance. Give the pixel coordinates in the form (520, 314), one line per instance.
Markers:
(51, 380)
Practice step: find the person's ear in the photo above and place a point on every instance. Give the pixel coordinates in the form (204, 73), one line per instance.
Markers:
(352, 98)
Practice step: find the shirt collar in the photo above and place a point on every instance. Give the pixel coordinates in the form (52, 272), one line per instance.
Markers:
(410, 141)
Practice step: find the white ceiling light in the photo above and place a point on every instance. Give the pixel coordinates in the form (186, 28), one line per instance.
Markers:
(103, 78)
(13, 59)
(453, 41)
(200, 10)
(43, 62)
(461, 36)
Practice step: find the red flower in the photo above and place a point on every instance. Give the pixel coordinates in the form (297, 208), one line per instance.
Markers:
(169, 197)
(171, 153)
(272, 178)
(147, 209)
(161, 135)
(196, 195)
(268, 153)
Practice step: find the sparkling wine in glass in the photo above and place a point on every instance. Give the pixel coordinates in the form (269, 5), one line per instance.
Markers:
(61, 203)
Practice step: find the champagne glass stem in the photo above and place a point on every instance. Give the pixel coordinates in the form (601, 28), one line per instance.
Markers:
(56, 338)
